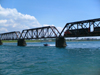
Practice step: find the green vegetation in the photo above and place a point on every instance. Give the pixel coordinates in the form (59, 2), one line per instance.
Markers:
(12, 41)
(33, 40)
(52, 40)
(82, 40)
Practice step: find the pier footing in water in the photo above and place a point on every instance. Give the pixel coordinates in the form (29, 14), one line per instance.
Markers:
(21, 42)
(1, 42)
(61, 42)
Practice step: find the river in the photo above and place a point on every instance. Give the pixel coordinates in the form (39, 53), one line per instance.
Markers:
(78, 58)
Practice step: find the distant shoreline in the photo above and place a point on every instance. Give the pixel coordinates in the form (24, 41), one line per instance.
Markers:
(81, 40)
(15, 41)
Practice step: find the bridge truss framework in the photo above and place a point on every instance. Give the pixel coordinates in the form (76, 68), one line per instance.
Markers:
(73, 29)
(82, 28)
(35, 33)
(10, 35)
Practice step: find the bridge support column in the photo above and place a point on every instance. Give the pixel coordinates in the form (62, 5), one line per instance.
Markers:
(61, 42)
(21, 42)
(1, 42)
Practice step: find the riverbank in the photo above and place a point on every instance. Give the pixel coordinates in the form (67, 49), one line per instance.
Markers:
(81, 40)
(14, 41)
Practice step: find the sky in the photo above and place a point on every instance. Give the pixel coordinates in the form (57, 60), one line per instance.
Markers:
(17, 15)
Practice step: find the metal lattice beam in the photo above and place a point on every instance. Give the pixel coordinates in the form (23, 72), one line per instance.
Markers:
(82, 28)
(10, 35)
(38, 33)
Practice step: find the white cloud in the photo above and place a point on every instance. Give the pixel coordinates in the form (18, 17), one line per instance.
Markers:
(48, 25)
(3, 21)
(59, 29)
(12, 20)
(3, 30)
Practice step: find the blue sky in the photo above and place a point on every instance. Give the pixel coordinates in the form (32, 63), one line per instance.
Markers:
(36, 13)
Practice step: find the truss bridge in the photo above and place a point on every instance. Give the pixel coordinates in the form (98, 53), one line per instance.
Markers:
(73, 29)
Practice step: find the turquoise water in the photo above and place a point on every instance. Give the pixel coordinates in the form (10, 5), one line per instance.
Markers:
(78, 58)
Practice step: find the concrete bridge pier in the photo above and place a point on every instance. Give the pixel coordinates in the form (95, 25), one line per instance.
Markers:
(1, 42)
(21, 42)
(61, 42)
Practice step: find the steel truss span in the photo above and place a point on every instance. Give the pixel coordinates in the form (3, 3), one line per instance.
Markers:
(38, 33)
(73, 29)
(10, 35)
(82, 28)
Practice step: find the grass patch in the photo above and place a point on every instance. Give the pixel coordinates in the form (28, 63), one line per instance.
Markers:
(15, 41)
(10, 41)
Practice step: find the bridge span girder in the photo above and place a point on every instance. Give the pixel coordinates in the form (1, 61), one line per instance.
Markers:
(82, 28)
(10, 35)
(39, 33)
(35, 33)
